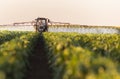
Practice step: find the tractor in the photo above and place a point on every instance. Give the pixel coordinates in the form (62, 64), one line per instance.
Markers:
(41, 24)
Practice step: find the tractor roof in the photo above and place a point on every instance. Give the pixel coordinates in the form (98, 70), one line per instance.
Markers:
(41, 18)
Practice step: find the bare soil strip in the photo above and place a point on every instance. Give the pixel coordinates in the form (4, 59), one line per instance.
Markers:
(39, 67)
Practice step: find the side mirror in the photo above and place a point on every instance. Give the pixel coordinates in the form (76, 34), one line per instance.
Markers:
(49, 20)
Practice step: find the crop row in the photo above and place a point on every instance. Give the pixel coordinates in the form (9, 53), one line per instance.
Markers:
(14, 55)
(83, 56)
(107, 45)
(8, 35)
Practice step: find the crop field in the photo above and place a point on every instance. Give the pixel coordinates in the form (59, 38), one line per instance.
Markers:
(50, 55)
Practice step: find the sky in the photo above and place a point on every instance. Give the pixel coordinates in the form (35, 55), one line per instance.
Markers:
(84, 12)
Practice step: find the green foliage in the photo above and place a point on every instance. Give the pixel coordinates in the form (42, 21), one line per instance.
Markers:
(8, 35)
(71, 55)
(14, 55)
(83, 56)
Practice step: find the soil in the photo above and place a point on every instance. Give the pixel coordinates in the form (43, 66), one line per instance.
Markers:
(39, 67)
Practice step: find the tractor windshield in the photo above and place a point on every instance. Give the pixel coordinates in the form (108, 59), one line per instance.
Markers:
(43, 22)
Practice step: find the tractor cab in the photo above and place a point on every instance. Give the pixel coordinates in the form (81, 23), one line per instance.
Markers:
(41, 24)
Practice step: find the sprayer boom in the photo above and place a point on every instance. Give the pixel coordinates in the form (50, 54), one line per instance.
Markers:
(45, 24)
